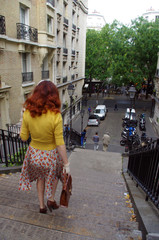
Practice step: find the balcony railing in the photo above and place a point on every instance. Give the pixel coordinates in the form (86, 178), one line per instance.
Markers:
(65, 50)
(73, 77)
(73, 52)
(27, 77)
(75, 1)
(64, 79)
(74, 27)
(2, 25)
(44, 74)
(52, 2)
(26, 32)
(65, 21)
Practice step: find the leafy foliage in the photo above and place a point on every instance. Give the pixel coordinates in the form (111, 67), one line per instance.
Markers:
(123, 53)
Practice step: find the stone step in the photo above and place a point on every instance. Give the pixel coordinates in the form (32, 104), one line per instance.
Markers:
(97, 209)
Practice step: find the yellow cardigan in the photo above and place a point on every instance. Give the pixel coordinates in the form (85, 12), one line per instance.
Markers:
(46, 131)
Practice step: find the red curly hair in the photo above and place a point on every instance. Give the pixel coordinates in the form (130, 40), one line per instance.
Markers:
(44, 97)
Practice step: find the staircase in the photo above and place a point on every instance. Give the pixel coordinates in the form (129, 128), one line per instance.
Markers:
(99, 207)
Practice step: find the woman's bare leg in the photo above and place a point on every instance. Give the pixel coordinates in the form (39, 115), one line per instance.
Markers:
(54, 190)
(40, 189)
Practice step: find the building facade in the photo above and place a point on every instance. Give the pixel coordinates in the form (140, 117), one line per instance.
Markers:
(41, 39)
(155, 100)
(151, 15)
(95, 21)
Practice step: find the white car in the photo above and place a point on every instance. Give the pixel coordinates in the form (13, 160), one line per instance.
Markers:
(101, 111)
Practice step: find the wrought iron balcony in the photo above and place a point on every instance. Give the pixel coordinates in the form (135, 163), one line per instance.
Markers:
(26, 32)
(65, 21)
(52, 2)
(75, 1)
(73, 27)
(27, 77)
(65, 50)
(2, 25)
(64, 79)
(44, 74)
(73, 52)
(73, 77)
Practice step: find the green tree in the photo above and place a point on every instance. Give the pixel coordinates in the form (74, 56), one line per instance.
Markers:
(126, 54)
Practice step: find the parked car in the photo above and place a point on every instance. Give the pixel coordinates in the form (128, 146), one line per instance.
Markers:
(93, 120)
(101, 111)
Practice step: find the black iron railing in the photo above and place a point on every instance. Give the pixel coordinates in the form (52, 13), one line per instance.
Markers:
(12, 149)
(2, 25)
(75, 137)
(64, 79)
(73, 52)
(27, 77)
(26, 32)
(52, 2)
(143, 166)
(74, 27)
(65, 51)
(73, 77)
(65, 21)
(45, 74)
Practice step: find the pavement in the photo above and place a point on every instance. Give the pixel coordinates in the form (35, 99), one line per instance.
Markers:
(105, 203)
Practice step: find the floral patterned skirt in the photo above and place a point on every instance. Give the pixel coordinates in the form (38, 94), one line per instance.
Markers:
(40, 164)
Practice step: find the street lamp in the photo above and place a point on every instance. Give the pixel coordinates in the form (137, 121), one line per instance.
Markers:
(71, 90)
(132, 92)
(82, 115)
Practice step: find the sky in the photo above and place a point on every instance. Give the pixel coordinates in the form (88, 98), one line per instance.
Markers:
(124, 10)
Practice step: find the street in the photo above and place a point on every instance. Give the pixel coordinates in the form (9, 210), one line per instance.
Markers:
(113, 120)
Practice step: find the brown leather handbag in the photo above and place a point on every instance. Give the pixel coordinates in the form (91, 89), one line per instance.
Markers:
(66, 190)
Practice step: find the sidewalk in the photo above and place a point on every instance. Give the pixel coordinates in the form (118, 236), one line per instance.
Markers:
(99, 206)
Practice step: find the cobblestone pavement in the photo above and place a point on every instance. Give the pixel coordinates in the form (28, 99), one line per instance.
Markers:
(99, 206)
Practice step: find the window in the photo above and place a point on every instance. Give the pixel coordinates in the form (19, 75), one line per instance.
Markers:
(64, 40)
(49, 24)
(157, 18)
(24, 15)
(73, 16)
(25, 62)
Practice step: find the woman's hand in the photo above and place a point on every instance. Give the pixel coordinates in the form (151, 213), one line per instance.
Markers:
(66, 168)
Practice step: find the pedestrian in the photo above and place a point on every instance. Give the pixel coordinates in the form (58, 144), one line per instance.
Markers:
(96, 141)
(106, 141)
(83, 136)
(115, 107)
(46, 158)
(89, 110)
(66, 134)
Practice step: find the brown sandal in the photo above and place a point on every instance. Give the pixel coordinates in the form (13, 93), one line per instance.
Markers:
(43, 210)
(52, 205)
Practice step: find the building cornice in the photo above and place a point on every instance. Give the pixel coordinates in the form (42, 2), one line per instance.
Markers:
(22, 41)
(83, 7)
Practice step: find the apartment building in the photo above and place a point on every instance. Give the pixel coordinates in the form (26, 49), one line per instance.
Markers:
(151, 14)
(95, 21)
(41, 39)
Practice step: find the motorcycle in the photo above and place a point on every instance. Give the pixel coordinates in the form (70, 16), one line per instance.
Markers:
(142, 123)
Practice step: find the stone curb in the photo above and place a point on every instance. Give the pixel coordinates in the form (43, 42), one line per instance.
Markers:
(7, 170)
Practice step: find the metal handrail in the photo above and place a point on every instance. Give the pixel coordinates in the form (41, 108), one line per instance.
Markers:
(143, 166)
(12, 148)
